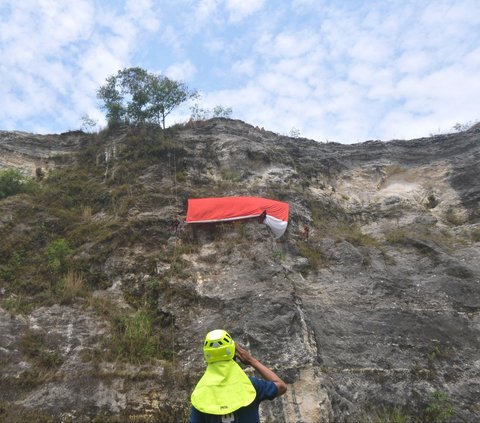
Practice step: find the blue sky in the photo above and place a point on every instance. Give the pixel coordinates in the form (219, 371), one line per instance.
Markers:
(345, 70)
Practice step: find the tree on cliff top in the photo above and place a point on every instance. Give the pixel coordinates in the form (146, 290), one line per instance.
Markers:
(137, 96)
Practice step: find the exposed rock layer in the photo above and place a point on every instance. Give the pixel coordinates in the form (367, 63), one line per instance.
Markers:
(378, 307)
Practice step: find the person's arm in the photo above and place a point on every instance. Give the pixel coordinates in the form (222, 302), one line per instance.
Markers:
(246, 358)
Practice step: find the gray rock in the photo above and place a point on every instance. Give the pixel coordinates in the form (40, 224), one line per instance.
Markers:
(386, 315)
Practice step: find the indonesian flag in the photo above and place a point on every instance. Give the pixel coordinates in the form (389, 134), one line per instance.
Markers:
(204, 210)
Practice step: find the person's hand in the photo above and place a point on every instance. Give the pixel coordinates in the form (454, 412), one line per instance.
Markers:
(243, 355)
(246, 358)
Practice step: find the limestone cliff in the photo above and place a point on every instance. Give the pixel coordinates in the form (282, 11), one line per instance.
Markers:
(374, 311)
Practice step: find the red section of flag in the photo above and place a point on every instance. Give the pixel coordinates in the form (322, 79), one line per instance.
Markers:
(232, 208)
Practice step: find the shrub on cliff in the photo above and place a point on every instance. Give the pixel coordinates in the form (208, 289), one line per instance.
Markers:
(12, 182)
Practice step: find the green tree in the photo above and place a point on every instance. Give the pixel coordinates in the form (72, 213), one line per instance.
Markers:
(198, 113)
(113, 100)
(221, 111)
(88, 123)
(137, 96)
(165, 95)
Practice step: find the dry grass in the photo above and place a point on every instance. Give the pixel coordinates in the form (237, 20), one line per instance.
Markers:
(86, 212)
(72, 287)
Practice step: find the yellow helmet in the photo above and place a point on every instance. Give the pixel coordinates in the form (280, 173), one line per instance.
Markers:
(218, 346)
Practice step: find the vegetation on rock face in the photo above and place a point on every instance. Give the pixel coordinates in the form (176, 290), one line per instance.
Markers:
(198, 113)
(136, 337)
(59, 236)
(12, 182)
(32, 345)
(13, 413)
(438, 409)
(17, 414)
(102, 228)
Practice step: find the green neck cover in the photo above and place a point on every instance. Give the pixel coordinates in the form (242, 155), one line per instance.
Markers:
(223, 389)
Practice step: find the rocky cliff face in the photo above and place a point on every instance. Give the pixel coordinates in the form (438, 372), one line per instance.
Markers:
(375, 312)
(35, 153)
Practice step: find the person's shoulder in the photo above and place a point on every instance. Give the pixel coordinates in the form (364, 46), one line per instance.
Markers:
(265, 388)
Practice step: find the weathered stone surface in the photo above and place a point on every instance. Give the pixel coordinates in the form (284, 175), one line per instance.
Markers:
(30, 152)
(389, 314)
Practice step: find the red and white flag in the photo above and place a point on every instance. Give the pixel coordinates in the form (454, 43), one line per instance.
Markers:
(203, 210)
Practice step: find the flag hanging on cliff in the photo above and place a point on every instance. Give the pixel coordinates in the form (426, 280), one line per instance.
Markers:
(222, 209)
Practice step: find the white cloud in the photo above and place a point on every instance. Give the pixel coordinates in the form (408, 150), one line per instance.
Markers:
(143, 13)
(240, 9)
(100, 61)
(287, 44)
(171, 37)
(365, 69)
(205, 10)
(345, 71)
(181, 71)
(281, 85)
(370, 49)
(308, 6)
(244, 67)
(414, 62)
(57, 54)
(215, 45)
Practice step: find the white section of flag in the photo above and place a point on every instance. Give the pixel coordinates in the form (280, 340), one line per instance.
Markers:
(277, 226)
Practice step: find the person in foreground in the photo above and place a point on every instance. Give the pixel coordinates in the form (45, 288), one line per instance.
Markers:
(225, 394)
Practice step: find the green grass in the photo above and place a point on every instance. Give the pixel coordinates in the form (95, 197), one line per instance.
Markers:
(437, 409)
(426, 240)
(395, 415)
(475, 235)
(438, 352)
(315, 257)
(332, 222)
(13, 413)
(166, 414)
(57, 222)
(32, 345)
(136, 337)
(397, 235)
(354, 235)
(18, 304)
